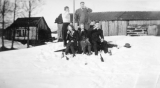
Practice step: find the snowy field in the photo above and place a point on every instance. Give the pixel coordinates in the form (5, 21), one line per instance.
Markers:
(41, 67)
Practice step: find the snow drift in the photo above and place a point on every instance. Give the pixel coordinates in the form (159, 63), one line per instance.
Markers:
(8, 44)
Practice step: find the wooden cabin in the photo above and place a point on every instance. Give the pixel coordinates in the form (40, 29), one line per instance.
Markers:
(38, 30)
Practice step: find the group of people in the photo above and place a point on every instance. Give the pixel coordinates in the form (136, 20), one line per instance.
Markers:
(85, 41)
(87, 38)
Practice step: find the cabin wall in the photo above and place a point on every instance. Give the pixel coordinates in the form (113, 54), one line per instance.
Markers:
(22, 33)
(115, 28)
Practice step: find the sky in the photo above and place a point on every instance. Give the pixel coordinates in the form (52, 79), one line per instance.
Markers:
(52, 8)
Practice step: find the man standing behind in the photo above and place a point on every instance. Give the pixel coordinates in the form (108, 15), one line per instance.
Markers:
(82, 15)
(66, 21)
(59, 22)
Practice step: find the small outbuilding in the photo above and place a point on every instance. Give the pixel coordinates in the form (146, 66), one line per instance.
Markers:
(38, 30)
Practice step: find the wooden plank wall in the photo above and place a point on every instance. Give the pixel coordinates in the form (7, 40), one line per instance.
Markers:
(114, 28)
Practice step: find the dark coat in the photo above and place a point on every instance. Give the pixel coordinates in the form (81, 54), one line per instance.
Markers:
(89, 34)
(82, 35)
(73, 37)
(59, 19)
(96, 34)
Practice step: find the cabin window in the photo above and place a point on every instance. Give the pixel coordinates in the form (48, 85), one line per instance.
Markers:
(21, 32)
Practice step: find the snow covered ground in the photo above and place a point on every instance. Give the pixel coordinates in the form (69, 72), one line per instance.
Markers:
(41, 67)
(8, 44)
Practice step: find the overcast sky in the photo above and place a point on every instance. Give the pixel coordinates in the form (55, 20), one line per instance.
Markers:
(52, 8)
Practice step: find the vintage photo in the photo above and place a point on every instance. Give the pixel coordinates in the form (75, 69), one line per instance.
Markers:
(79, 43)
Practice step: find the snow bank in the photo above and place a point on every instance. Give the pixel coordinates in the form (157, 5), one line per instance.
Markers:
(8, 44)
(41, 67)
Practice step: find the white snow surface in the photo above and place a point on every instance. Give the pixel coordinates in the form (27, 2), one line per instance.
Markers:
(8, 44)
(41, 67)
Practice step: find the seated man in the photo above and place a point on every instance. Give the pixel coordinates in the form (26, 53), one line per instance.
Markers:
(104, 45)
(83, 40)
(89, 32)
(98, 40)
(72, 40)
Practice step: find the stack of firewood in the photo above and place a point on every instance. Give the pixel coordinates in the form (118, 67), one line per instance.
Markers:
(137, 30)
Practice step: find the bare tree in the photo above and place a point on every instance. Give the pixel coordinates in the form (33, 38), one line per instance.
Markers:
(14, 17)
(4, 9)
(30, 6)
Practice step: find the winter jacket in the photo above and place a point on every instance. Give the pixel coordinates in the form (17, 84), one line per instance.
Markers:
(59, 19)
(72, 37)
(89, 34)
(82, 15)
(97, 34)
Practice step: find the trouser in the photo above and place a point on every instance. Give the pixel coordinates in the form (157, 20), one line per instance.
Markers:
(79, 47)
(64, 32)
(59, 31)
(70, 45)
(85, 44)
(100, 46)
(104, 46)
(95, 47)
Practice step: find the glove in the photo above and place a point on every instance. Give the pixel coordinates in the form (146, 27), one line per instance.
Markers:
(102, 40)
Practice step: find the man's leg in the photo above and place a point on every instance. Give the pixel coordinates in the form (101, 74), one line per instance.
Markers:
(67, 48)
(63, 33)
(88, 46)
(83, 45)
(64, 29)
(79, 47)
(95, 48)
(105, 46)
(72, 49)
(58, 31)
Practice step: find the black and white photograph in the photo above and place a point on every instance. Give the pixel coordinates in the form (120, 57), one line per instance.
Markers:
(79, 43)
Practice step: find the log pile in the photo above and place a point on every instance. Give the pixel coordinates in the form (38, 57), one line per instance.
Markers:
(137, 30)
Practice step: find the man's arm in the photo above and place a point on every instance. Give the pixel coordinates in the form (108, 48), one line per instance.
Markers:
(76, 16)
(101, 35)
(89, 10)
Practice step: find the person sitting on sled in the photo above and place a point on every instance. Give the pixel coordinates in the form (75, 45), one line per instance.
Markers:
(72, 40)
(98, 41)
(84, 40)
